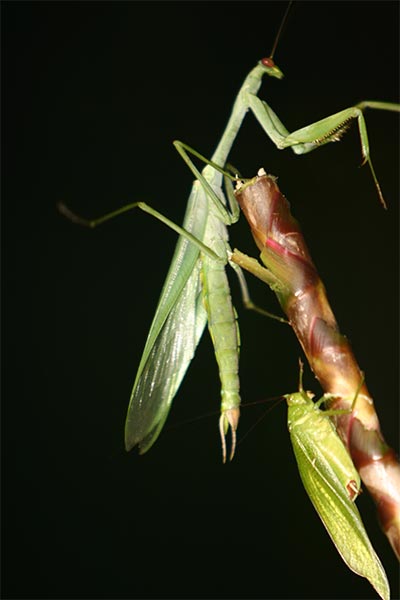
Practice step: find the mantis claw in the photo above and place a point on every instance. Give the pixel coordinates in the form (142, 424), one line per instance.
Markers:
(229, 418)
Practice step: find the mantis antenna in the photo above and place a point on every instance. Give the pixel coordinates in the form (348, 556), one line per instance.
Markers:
(283, 23)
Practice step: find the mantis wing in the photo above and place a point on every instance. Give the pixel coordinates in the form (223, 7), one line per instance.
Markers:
(173, 337)
(340, 516)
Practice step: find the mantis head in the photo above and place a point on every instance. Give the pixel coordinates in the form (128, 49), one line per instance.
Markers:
(271, 68)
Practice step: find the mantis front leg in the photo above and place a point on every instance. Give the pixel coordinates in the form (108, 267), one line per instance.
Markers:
(321, 132)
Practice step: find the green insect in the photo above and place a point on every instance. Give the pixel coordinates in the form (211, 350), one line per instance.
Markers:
(332, 484)
(196, 289)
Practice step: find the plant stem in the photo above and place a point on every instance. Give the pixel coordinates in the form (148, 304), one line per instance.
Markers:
(303, 298)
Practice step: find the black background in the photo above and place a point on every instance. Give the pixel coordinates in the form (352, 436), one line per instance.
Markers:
(93, 95)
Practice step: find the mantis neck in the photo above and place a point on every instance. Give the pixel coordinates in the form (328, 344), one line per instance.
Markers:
(251, 85)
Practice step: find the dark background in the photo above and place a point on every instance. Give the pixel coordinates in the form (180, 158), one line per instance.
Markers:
(93, 95)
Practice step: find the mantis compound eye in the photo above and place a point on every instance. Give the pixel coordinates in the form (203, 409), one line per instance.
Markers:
(267, 62)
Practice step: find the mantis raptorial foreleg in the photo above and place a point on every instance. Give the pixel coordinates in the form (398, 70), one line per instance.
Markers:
(321, 132)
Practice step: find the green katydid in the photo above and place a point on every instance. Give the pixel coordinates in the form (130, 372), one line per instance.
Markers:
(332, 483)
(196, 277)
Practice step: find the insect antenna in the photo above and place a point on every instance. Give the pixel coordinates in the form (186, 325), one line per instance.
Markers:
(280, 30)
(275, 399)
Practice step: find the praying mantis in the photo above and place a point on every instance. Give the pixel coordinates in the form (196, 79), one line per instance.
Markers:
(196, 290)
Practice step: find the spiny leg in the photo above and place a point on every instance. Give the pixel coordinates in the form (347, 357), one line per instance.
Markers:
(321, 132)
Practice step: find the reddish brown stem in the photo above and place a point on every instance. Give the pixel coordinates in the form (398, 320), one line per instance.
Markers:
(302, 296)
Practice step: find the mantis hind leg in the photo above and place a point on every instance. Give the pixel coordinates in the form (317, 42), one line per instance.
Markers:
(69, 214)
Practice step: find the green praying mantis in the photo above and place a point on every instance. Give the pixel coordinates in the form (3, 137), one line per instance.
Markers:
(196, 290)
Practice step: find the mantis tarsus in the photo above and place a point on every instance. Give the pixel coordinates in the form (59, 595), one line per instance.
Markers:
(196, 289)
